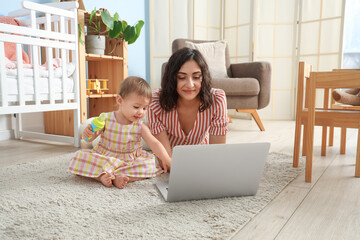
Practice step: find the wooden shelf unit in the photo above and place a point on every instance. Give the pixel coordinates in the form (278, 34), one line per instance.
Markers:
(112, 66)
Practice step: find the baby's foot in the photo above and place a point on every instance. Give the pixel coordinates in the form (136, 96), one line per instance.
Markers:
(105, 179)
(120, 181)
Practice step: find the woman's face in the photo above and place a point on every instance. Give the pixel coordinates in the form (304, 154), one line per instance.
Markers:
(189, 80)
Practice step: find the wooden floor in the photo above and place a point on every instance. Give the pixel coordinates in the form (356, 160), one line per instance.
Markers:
(328, 208)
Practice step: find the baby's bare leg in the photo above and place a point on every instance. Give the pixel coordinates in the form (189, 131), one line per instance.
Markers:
(105, 179)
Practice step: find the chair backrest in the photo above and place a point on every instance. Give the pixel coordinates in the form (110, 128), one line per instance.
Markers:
(180, 43)
(303, 81)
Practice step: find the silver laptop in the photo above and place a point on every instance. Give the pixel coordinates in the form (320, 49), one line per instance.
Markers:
(214, 171)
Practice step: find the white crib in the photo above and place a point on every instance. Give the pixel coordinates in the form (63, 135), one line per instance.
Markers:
(49, 33)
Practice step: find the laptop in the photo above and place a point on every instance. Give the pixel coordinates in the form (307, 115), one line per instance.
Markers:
(214, 171)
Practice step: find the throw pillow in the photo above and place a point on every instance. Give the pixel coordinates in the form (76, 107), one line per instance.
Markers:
(214, 55)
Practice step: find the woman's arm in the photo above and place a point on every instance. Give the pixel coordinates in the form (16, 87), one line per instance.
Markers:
(220, 120)
(219, 139)
(157, 147)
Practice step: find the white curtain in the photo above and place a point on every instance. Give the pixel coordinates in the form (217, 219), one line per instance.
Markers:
(169, 19)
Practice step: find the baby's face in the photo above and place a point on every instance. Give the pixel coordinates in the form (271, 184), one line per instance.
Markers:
(134, 106)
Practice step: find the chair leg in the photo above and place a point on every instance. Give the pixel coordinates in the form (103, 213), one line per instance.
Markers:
(255, 115)
(310, 131)
(297, 144)
(343, 141)
(357, 165)
(323, 141)
(331, 136)
(230, 121)
(309, 154)
(304, 140)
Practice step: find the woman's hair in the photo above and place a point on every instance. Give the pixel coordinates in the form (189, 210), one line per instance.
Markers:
(135, 85)
(168, 94)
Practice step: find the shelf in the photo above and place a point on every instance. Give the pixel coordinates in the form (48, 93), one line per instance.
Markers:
(96, 57)
(105, 95)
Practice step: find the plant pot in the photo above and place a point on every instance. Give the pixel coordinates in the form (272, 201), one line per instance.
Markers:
(95, 44)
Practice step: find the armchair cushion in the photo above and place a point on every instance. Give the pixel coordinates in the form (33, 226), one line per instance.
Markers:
(214, 54)
(238, 86)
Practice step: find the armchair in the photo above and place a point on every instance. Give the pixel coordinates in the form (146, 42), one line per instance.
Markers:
(248, 87)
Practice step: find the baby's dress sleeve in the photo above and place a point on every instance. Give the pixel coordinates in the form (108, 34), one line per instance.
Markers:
(220, 120)
(154, 122)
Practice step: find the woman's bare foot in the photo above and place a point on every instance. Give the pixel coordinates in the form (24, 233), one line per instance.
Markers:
(120, 181)
(105, 179)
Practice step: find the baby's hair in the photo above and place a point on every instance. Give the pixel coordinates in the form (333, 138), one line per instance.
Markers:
(136, 85)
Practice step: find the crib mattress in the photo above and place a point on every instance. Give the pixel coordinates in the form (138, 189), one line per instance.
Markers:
(28, 72)
(28, 83)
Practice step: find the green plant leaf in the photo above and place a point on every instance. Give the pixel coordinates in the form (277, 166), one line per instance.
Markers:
(124, 25)
(130, 34)
(93, 12)
(107, 20)
(115, 17)
(80, 40)
(138, 27)
(116, 31)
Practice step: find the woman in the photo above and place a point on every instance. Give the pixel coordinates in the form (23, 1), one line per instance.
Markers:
(186, 110)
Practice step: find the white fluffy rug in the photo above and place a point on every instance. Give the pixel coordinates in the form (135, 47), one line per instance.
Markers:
(41, 200)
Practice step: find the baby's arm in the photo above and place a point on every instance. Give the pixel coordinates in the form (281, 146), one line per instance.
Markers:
(89, 134)
(156, 147)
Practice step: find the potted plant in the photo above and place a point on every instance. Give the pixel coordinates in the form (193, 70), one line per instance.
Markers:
(95, 38)
(116, 30)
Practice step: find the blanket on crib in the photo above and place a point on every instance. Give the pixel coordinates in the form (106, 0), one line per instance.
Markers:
(10, 48)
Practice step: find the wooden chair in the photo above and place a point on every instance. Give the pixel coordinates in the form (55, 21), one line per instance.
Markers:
(326, 116)
(341, 106)
(301, 112)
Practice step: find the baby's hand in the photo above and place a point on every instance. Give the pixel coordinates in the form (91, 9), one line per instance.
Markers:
(165, 164)
(89, 134)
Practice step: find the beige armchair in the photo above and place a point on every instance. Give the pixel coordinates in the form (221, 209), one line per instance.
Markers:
(248, 86)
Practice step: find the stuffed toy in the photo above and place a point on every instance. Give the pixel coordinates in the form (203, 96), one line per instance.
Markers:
(10, 48)
(349, 97)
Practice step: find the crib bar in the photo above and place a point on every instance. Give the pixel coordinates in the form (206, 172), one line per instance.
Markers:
(3, 82)
(63, 59)
(20, 68)
(56, 29)
(49, 8)
(38, 108)
(64, 74)
(49, 57)
(18, 122)
(48, 137)
(40, 20)
(75, 58)
(35, 61)
(67, 30)
(36, 32)
(36, 41)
